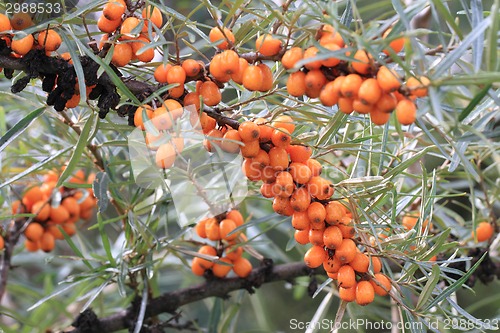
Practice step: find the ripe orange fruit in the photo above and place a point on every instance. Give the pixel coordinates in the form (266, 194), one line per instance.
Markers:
(238, 76)
(315, 79)
(228, 144)
(191, 67)
(59, 214)
(386, 103)
(196, 268)
(200, 228)
(73, 208)
(365, 294)
(210, 93)
(114, 9)
(346, 251)
(484, 231)
(360, 263)
(4, 23)
(267, 78)
(32, 196)
(233, 252)
(315, 256)
(316, 212)
(2, 243)
(23, 45)
(300, 172)
(332, 237)
(406, 112)
(220, 270)
(346, 277)
(333, 61)
(418, 86)
(251, 149)
(292, 56)
(320, 188)
(226, 227)
(301, 236)
(328, 96)
(216, 69)
(281, 138)
(376, 264)
(122, 54)
(144, 55)
(262, 158)
(176, 74)
(163, 119)
(378, 117)
(362, 62)
(139, 118)
(252, 78)
(347, 294)
(153, 15)
(396, 44)
(267, 45)
(285, 122)
(345, 105)
(350, 85)
(300, 221)
(312, 164)
(20, 21)
(283, 186)
(299, 153)
(47, 242)
(212, 229)
(129, 28)
(388, 79)
(42, 209)
(34, 231)
(311, 52)
(282, 206)
(369, 92)
(278, 158)
(209, 251)
(296, 84)
(108, 26)
(249, 131)
(267, 190)
(229, 62)
(329, 35)
(222, 38)
(54, 230)
(165, 156)
(300, 199)
(265, 130)
(242, 267)
(160, 73)
(381, 284)
(236, 216)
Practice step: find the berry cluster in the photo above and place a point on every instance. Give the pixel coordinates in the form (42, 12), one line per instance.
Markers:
(222, 229)
(54, 208)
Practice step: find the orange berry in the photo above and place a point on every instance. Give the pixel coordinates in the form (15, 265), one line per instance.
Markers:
(388, 79)
(312, 52)
(296, 84)
(236, 216)
(249, 131)
(216, 69)
(369, 91)
(139, 118)
(333, 61)
(418, 86)
(176, 74)
(386, 103)
(20, 21)
(216, 35)
(315, 79)
(230, 63)
(31, 246)
(238, 75)
(47, 242)
(210, 93)
(252, 171)
(165, 156)
(285, 122)
(4, 23)
(281, 138)
(376, 264)
(122, 54)
(346, 251)
(313, 165)
(209, 251)
(316, 212)
(332, 237)
(69, 228)
(114, 9)
(381, 284)
(228, 144)
(300, 172)
(267, 45)
(291, 57)
(31, 196)
(22, 45)
(200, 228)
(267, 190)
(346, 277)
(282, 206)
(191, 67)
(332, 264)
(362, 62)
(378, 117)
(328, 96)
(299, 153)
(360, 263)
(242, 267)
(153, 15)
(72, 206)
(484, 231)
(108, 26)
(265, 131)
(315, 256)
(196, 268)
(54, 230)
(320, 188)
(347, 294)
(42, 210)
(267, 78)
(59, 214)
(316, 236)
(365, 294)
(130, 25)
(2, 243)
(300, 221)
(160, 73)
(142, 54)
(252, 78)
(329, 35)
(300, 199)
(212, 229)
(283, 186)
(34, 231)
(360, 107)
(262, 158)
(396, 44)
(250, 149)
(220, 270)
(301, 236)
(227, 226)
(17, 207)
(233, 252)
(406, 112)
(350, 86)
(278, 158)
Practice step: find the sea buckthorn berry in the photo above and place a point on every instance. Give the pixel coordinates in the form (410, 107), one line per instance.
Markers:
(108, 26)
(337, 84)
(230, 143)
(316, 237)
(360, 107)
(2, 243)
(315, 256)
(278, 158)
(327, 95)
(213, 230)
(252, 171)
(312, 52)
(381, 284)
(222, 268)
(122, 54)
(300, 199)
(163, 119)
(300, 172)
(265, 131)
(347, 294)
(285, 122)
(238, 76)
(42, 210)
(249, 131)
(313, 165)
(484, 231)
(418, 86)
(350, 85)
(34, 231)
(299, 153)
(139, 119)
(20, 21)
(396, 44)
(333, 61)
(55, 231)
(301, 236)
(267, 190)
(32, 196)
(315, 79)
(332, 264)
(59, 215)
(176, 74)
(236, 216)
(160, 73)
(267, 45)
(296, 84)
(346, 251)
(22, 45)
(269, 174)
(316, 212)
(267, 78)
(388, 79)
(376, 264)
(17, 207)
(406, 112)
(281, 138)
(329, 35)
(250, 149)
(47, 242)
(360, 263)
(221, 38)
(165, 156)
(346, 277)
(216, 69)
(369, 91)
(300, 221)
(142, 54)
(242, 267)
(362, 62)
(379, 117)
(210, 93)
(283, 186)
(345, 105)
(252, 78)
(114, 9)
(5, 24)
(200, 228)
(320, 188)
(291, 57)
(196, 268)
(153, 15)
(191, 67)
(129, 28)
(282, 206)
(347, 230)
(227, 227)
(262, 158)
(386, 103)
(233, 252)
(213, 138)
(229, 62)
(365, 294)
(332, 237)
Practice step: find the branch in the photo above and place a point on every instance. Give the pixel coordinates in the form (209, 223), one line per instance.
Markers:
(171, 301)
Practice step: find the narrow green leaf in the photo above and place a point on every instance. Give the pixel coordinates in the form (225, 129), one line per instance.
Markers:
(492, 39)
(19, 127)
(215, 315)
(75, 249)
(428, 289)
(450, 19)
(474, 102)
(78, 151)
(100, 187)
